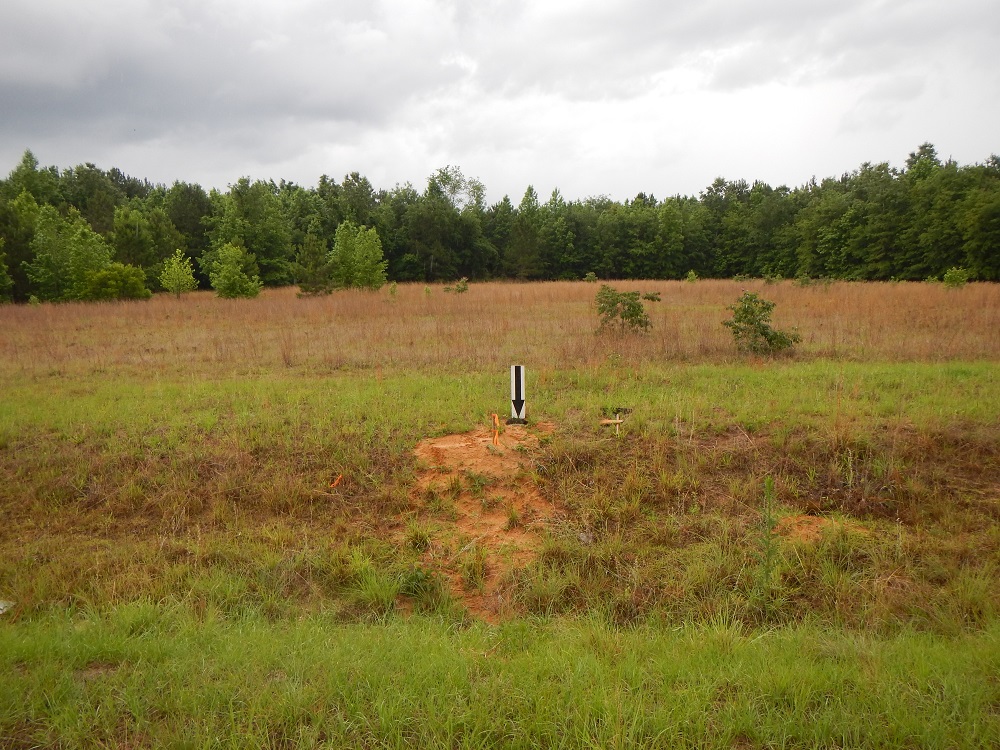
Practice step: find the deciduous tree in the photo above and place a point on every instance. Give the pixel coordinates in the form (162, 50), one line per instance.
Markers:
(356, 258)
(66, 252)
(178, 274)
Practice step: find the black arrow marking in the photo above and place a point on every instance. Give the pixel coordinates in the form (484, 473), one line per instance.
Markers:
(518, 400)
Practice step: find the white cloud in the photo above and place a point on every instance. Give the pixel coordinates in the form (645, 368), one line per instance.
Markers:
(592, 97)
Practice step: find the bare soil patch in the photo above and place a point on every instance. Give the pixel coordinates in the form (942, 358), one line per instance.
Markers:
(482, 511)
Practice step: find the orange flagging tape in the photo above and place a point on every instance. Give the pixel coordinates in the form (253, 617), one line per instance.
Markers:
(336, 481)
(496, 430)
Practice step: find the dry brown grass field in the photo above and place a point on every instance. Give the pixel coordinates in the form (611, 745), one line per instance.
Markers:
(490, 326)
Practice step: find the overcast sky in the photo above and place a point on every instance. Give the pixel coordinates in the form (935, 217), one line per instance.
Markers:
(595, 97)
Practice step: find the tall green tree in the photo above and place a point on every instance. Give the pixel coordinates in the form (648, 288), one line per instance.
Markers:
(356, 199)
(66, 252)
(131, 237)
(980, 222)
(312, 268)
(92, 192)
(304, 212)
(42, 184)
(390, 220)
(523, 259)
(556, 243)
(356, 258)
(18, 218)
(497, 224)
(189, 209)
(6, 282)
(144, 236)
(250, 215)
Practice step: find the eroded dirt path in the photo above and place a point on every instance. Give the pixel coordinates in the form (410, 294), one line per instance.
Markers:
(480, 511)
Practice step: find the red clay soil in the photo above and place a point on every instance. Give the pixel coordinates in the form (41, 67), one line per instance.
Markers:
(479, 502)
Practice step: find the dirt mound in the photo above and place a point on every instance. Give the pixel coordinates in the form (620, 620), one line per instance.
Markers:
(481, 511)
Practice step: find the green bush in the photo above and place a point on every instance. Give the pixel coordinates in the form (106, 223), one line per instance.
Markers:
(622, 309)
(590, 277)
(956, 277)
(116, 281)
(751, 326)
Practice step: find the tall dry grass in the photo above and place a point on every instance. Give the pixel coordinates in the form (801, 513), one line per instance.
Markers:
(488, 327)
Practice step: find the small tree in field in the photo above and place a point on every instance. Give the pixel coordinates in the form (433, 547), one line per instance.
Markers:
(622, 309)
(234, 273)
(751, 326)
(178, 274)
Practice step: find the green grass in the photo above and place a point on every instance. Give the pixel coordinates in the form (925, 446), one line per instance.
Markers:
(800, 393)
(185, 575)
(119, 490)
(145, 674)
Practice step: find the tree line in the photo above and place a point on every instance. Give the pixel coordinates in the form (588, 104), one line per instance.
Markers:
(87, 233)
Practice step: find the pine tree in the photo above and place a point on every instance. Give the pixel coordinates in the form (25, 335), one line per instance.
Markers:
(312, 267)
(234, 273)
(6, 282)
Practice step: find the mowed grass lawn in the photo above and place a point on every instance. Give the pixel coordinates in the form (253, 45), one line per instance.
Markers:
(178, 571)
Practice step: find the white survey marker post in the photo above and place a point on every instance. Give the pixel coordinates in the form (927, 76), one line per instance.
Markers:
(517, 399)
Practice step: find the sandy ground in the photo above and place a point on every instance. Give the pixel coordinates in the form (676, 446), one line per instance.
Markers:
(482, 507)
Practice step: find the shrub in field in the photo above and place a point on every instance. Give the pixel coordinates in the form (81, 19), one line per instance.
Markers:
(462, 285)
(956, 277)
(234, 273)
(116, 281)
(751, 326)
(691, 276)
(590, 277)
(622, 309)
(178, 274)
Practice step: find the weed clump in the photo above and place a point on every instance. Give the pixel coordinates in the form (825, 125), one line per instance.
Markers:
(751, 326)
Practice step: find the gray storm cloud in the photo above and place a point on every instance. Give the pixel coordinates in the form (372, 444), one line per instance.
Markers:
(605, 98)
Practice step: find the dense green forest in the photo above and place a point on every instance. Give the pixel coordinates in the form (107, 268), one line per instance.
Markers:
(87, 233)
